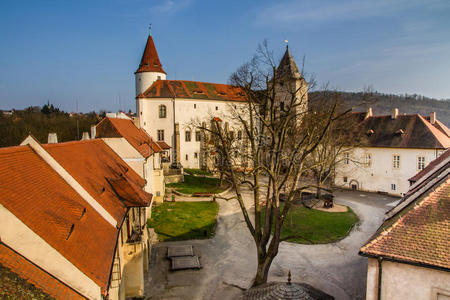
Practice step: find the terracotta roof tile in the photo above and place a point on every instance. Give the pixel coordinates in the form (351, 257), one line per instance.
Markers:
(150, 60)
(406, 131)
(35, 275)
(194, 90)
(42, 200)
(163, 145)
(421, 234)
(137, 137)
(91, 163)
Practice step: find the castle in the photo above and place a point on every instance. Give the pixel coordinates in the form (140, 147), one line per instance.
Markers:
(166, 108)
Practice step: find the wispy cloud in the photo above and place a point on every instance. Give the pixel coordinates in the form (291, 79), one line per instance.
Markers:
(172, 6)
(327, 11)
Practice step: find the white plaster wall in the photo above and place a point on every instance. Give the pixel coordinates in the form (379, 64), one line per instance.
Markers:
(381, 174)
(185, 114)
(145, 79)
(403, 281)
(22, 239)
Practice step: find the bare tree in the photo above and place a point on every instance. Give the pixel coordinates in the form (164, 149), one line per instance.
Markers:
(279, 133)
(340, 139)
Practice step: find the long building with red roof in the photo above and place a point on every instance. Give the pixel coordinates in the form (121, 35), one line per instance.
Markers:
(71, 216)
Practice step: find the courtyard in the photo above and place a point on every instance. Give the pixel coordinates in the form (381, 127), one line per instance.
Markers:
(229, 260)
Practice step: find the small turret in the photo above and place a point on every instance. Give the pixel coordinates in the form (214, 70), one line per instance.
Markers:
(150, 68)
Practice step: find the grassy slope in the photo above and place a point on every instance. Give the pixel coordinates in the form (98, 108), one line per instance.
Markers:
(194, 184)
(177, 221)
(317, 226)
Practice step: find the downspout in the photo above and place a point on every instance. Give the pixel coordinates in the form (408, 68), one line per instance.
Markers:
(380, 271)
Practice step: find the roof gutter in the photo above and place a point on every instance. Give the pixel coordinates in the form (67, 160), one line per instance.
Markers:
(396, 260)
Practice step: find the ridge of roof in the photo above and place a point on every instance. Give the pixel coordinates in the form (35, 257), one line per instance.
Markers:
(48, 205)
(428, 218)
(194, 90)
(150, 60)
(35, 275)
(137, 137)
(416, 132)
(92, 161)
(433, 164)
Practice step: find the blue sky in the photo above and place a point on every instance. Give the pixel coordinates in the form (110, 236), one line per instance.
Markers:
(87, 51)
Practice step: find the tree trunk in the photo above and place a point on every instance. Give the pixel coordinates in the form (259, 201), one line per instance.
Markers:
(319, 190)
(263, 269)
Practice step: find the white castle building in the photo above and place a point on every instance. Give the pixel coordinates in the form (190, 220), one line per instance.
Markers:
(166, 108)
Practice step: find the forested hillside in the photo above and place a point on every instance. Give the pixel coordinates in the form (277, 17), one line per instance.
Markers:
(15, 127)
(382, 104)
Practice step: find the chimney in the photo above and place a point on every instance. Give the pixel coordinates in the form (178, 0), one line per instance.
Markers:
(136, 122)
(52, 138)
(433, 117)
(369, 113)
(394, 113)
(93, 131)
(85, 136)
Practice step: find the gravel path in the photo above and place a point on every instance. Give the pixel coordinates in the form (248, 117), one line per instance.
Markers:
(229, 259)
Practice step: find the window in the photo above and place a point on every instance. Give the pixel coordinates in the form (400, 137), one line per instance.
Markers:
(159, 77)
(239, 136)
(187, 157)
(420, 162)
(195, 105)
(195, 155)
(367, 160)
(160, 134)
(282, 106)
(198, 136)
(217, 108)
(187, 135)
(162, 111)
(346, 158)
(345, 179)
(393, 186)
(396, 161)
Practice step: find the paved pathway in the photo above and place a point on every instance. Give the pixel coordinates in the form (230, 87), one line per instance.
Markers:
(229, 259)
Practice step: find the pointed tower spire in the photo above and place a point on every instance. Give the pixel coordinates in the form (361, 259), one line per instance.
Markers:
(150, 60)
(288, 67)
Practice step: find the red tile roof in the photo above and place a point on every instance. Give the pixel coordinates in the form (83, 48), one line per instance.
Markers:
(405, 131)
(430, 166)
(417, 230)
(93, 164)
(150, 60)
(43, 201)
(194, 90)
(137, 137)
(163, 145)
(35, 275)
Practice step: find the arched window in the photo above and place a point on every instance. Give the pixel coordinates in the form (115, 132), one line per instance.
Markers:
(162, 111)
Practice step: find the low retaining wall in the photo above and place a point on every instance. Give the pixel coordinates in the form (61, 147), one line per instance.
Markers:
(173, 178)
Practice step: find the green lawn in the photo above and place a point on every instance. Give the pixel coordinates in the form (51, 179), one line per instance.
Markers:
(197, 172)
(178, 221)
(193, 184)
(317, 226)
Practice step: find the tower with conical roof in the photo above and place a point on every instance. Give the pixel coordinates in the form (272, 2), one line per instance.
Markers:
(291, 83)
(150, 68)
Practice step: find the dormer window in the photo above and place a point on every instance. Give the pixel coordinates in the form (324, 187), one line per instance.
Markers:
(198, 92)
(162, 111)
